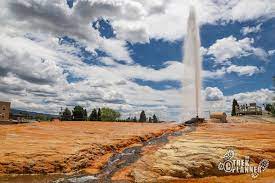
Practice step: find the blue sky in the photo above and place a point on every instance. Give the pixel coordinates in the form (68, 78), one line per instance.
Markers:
(263, 39)
(128, 54)
(156, 52)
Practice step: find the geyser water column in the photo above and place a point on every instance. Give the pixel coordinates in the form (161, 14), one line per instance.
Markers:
(192, 103)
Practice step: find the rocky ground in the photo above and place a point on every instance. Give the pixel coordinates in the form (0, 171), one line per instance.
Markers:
(62, 147)
(194, 157)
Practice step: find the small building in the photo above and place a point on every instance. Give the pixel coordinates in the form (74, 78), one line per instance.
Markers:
(251, 109)
(19, 117)
(4, 111)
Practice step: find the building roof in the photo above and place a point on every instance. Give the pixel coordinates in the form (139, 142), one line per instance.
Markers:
(5, 102)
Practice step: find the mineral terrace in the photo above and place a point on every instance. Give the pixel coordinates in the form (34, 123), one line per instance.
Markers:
(65, 147)
(194, 157)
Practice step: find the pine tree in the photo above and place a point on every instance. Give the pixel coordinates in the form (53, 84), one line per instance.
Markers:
(150, 120)
(155, 119)
(135, 119)
(273, 110)
(99, 115)
(85, 115)
(268, 107)
(234, 104)
(66, 115)
(142, 117)
(93, 115)
(79, 113)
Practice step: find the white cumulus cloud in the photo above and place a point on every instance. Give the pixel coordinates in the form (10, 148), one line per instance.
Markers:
(227, 48)
(244, 70)
(261, 96)
(213, 94)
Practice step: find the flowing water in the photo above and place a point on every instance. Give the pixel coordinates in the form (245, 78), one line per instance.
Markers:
(192, 82)
(123, 159)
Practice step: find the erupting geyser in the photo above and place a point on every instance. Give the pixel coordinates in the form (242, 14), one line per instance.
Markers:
(192, 103)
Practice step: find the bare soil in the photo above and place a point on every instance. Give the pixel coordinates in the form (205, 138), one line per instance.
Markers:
(66, 147)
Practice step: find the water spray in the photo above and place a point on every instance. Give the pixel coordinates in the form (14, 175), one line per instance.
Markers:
(192, 80)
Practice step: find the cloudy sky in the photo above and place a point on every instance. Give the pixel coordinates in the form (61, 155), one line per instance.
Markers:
(127, 54)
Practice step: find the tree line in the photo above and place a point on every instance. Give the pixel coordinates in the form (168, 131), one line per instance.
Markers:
(102, 114)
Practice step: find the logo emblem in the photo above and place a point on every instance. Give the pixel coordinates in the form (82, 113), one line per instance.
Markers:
(231, 165)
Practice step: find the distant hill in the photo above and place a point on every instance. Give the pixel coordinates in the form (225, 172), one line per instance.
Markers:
(32, 114)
